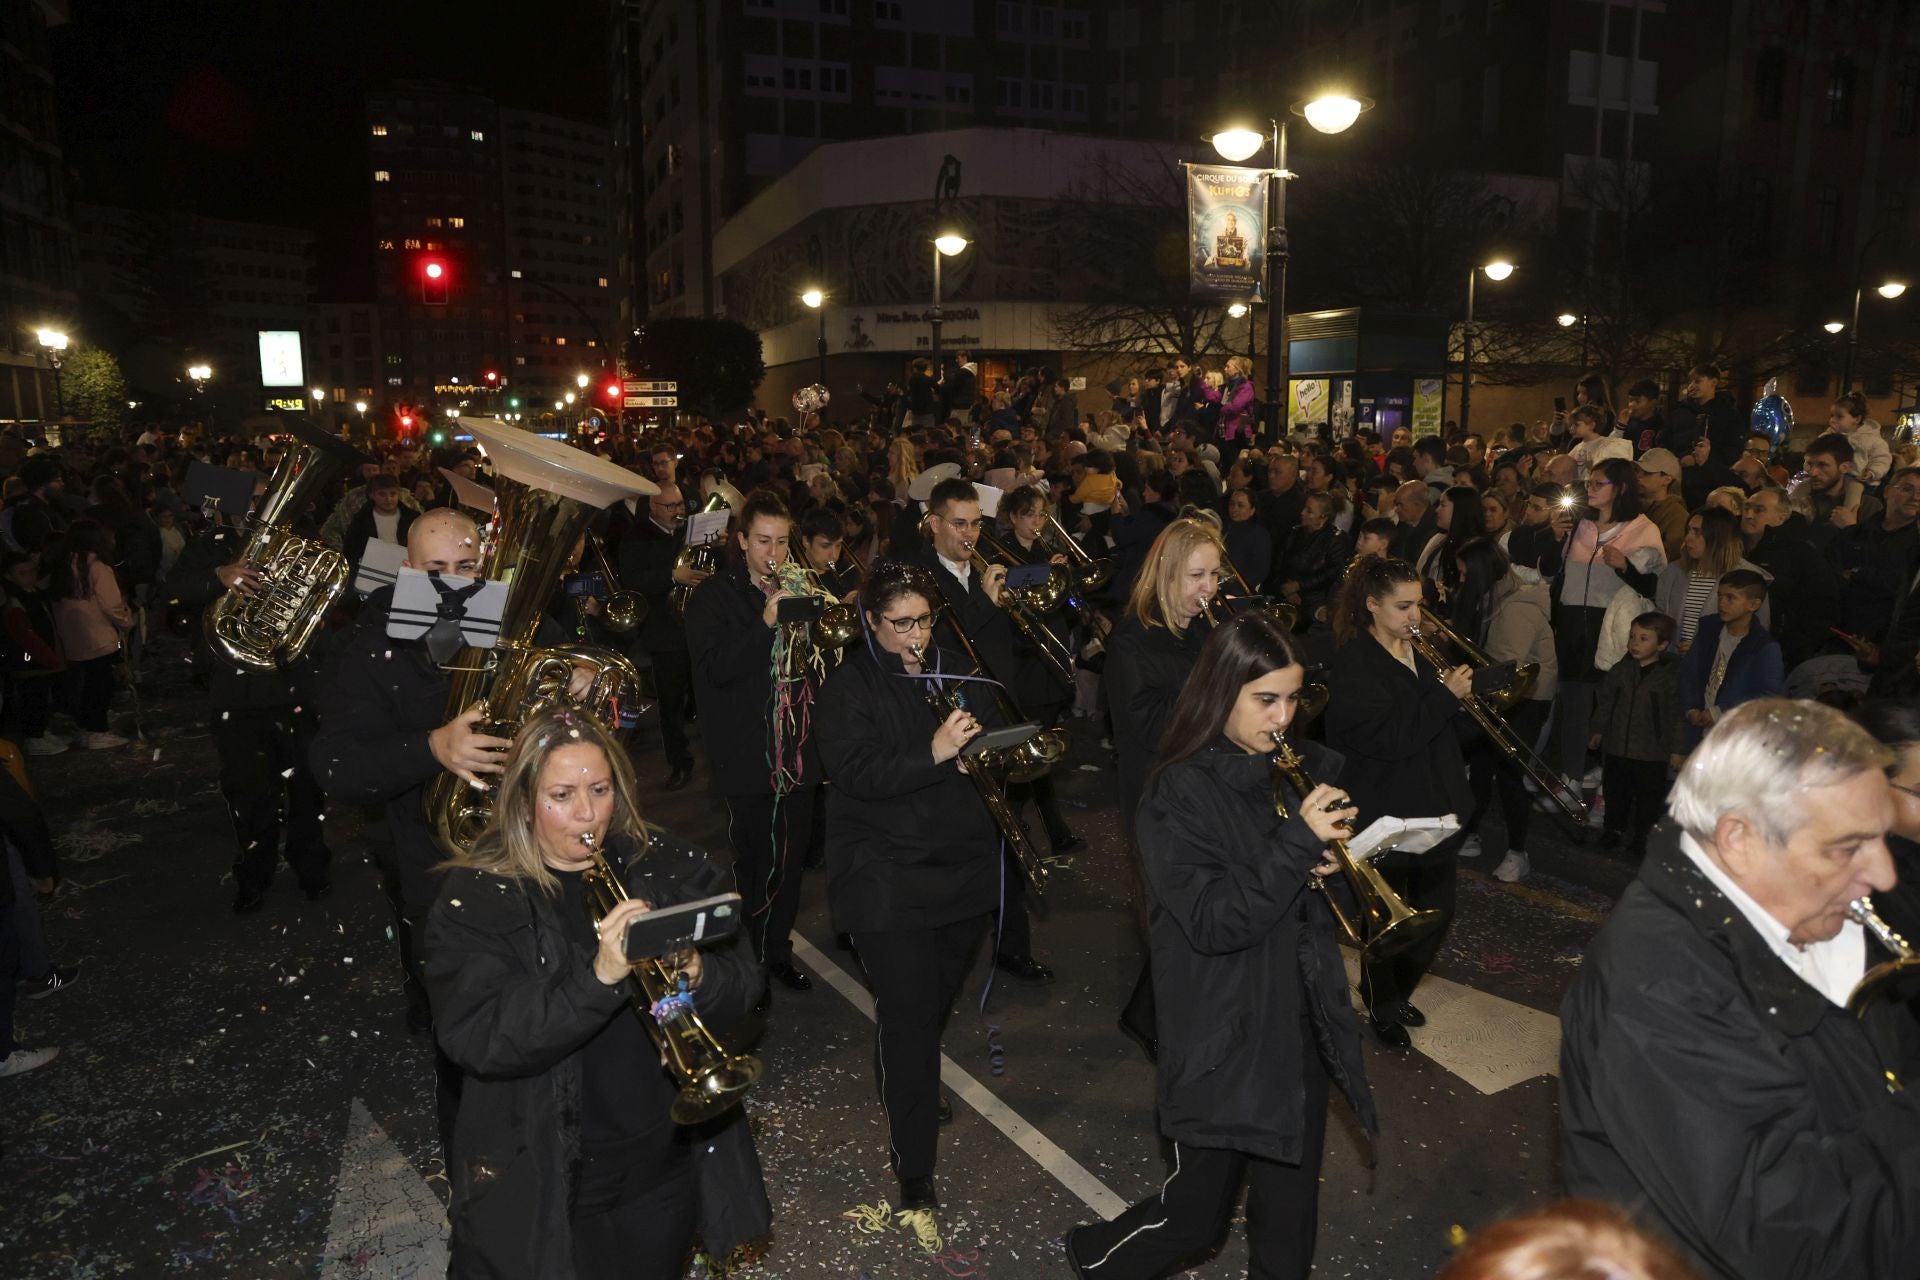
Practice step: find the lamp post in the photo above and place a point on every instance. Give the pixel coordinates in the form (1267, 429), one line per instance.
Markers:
(1244, 310)
(944, 246)
(1889, 290)
(818, 301)
(1330, 113)
(1496, 271)
(52, 344)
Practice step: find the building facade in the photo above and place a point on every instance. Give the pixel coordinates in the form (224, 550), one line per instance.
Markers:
(39, 268)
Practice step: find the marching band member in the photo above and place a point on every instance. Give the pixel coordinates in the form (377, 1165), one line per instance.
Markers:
(913, 862)
(1039, 692)
(953, 527)
(566, 1161)
(754, 721)
(1149, 655)
(1393, 717)
(1252, 992)
(650, 548)
(823, 543)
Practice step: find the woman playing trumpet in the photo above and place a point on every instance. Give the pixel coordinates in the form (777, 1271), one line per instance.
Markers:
(566, 1161)
(1255, 1016)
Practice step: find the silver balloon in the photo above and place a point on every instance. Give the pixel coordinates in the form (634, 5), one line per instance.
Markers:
(1773, 414)
(811, 398)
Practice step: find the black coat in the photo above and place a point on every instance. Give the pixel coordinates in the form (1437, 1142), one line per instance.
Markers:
(732, 651)
(1280, 512)
(1805, 591)
(1875, 567)
(1399, 736)
(645, 566)
(1409, 540)
(1241, 954)
(1735, 1108)
(515, 999)
(909, 843)
(1316, 559)
(24, 823)
(1146, 669)
(193, 585)
(1038, 690)
(985, 623)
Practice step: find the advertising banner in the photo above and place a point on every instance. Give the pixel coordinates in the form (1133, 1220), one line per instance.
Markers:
(1226, 230)
(1428, 396)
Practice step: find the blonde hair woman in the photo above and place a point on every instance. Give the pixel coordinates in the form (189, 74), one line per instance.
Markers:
(903, 464)
(535, 1003)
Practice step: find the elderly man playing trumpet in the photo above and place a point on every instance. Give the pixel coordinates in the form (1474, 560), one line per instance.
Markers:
(1713, 1079)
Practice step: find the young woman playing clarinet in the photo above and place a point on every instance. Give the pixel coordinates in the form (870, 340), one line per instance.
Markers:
(1255, 1017)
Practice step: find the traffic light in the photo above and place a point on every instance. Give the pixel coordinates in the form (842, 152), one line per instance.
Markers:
(437, 437)
(513, 402)
(492, 377)
(434, 275)
(612, 392)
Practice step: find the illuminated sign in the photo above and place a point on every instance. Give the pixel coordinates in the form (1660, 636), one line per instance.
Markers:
(280, 364)
(292, 403)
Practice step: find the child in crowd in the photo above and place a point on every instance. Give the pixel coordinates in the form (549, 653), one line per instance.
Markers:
(1637, 731)
(1733, 659)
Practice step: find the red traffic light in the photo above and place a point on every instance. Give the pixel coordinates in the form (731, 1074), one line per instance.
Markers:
(612, 392)
(493, 377)
(434, 269)
(406, 420)
(434, 276)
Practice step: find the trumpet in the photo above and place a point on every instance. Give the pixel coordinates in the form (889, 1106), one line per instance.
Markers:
(979, 771)
(1386, 924)
(1897, 979)
(621, 611)
(1485, 710)
(711, 1079)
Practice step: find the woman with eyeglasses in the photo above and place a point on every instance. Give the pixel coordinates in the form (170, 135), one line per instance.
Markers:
(913, 857)
(1613, 548)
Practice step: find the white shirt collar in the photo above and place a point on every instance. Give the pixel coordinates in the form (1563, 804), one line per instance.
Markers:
(964, 572)
(1831, 967)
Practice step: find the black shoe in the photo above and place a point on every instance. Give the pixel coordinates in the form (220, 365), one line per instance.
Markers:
(1149, 1045)
(679, 778)
(1400, 1011)
(1391, 1034)
(1068, 844)
(245, 903)
(765, 1002)
(1025, 968)
(1073, 1258)
(918, 1193)
(315, 892)
(946, 1108)
(790, 977)
(419, 1019)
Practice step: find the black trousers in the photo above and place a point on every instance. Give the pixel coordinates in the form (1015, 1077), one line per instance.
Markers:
(1040, 791)
(271, 792)
(1195, 1204)
(769, 857)
(1491, 772)
(1425, 881)
(673, 684)
(89, 691)
(30, 704)
(1636, 792)
(643, 1234)
(914, 975)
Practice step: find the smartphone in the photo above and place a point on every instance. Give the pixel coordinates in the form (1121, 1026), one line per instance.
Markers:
(691, 924)
(1559, 404)
(1029, 575)
(1011, 736)
(800, 609)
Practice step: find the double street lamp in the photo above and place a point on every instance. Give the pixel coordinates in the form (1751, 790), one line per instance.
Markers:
(1497, 270)
(1329, 113)
(817, 300)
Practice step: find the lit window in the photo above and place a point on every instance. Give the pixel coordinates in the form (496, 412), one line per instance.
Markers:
(456, 222)
(603, 282)
(516, 275)
(478, 135)
(410, 243)
(434, 222)
(381, 175)
(559, 342)
(386, 244)
(433, 246)
(379, 131)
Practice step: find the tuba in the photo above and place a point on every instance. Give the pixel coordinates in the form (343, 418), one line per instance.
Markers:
(705, 557)
(1386, 924)
(711, 1080)
(300, 577)
(547, 491)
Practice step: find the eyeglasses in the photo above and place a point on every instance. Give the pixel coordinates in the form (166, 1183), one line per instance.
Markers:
(964, 526)
(1599, 484)
(907, 626)
(1905, 791)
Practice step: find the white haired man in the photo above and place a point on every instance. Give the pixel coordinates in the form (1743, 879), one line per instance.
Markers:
(1712, 1080)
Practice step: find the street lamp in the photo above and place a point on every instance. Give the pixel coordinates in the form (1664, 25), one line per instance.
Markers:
(1889, 290)
(52, 344)
(1497, 270)
(1834, 326)
(580, 380)
(1328, 113)
(817, 300)
(1566, 319)
(360, 407)
(945, 245)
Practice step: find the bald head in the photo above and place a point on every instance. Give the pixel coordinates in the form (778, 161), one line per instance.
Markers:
(1410, 501)
(1561, 469)
(444, 541)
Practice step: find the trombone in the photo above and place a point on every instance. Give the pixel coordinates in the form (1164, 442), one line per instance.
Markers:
(1284, 615)
(1089, 573)
(621, 611)
(979, 770)
(712, 1080)
(1037, 754)
(1486, 708)
(1386, 924)
(1026, 605)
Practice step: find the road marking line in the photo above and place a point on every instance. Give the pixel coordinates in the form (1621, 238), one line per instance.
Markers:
(1490, 1042)
(1067, 1171)
(385, 1221)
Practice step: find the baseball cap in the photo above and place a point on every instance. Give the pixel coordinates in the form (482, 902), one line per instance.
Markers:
(1661, 461)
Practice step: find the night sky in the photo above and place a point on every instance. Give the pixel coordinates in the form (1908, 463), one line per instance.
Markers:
(252, 109)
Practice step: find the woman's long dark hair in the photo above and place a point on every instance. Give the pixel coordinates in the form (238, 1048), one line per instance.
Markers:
(1626, 486)
(1370, 578)
(1472, 603)
(1248, 647)
(68, 577)
(1894, 722)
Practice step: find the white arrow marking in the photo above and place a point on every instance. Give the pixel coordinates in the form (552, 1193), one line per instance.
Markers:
(387, 1223)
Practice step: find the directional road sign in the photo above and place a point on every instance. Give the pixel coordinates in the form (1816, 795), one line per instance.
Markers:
(653, 402)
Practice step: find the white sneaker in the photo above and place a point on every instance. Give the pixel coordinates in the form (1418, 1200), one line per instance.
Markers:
(21, 1061)
(46, 746)
(1470, 847)
(1513, 867)
(101, 741)
(1591, 779)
